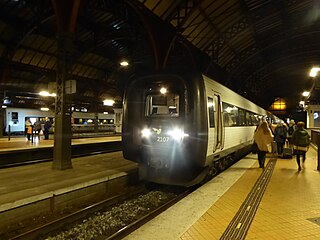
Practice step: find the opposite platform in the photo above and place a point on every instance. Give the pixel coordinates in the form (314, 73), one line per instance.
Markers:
(289, 206)
(21, 143)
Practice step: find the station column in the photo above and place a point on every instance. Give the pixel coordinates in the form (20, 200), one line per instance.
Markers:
(62, 125)
(66, 16)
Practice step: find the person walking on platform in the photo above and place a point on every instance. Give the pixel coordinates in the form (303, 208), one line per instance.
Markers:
(46, 128)
(280, 136)
(291, 128)
(263, 137)
(301, 142)
(28, 128)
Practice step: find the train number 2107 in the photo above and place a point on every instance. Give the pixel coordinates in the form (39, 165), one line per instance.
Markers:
(163, 139)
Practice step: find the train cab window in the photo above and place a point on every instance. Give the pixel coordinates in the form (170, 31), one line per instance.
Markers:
(162, 105)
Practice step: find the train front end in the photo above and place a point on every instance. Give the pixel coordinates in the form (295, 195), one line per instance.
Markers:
(160, 131)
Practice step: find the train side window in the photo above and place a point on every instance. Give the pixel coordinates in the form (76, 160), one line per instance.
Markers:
(251, 119)
(242, 117)
(230, 115)
(211, 111)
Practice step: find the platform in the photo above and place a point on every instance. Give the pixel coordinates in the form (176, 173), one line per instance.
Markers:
(38, 188)
(21, 143)
(286, 205)
(286, 201)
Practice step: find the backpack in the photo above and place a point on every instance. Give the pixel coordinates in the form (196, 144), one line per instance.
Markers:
(37, 126)
(290, 130)
(303, 139)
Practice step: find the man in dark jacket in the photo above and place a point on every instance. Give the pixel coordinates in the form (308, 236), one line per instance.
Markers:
(280, 136)
(46, 128)
(301, 142)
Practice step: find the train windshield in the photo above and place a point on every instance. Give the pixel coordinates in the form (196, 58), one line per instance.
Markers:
(162, 105)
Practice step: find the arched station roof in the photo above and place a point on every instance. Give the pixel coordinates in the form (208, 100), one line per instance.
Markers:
(264, 47)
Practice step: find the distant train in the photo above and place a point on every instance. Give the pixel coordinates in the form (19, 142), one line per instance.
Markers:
(82, 122)
(184, 129)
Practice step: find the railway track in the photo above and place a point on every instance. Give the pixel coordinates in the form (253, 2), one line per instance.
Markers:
(57, 229)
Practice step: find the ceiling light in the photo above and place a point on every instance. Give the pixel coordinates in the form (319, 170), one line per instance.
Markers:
(45, 109)
(4, 106)
(124, 63)
(108, 102)
(46, 94)
(314, 71)
(305, 93)
(163, 90)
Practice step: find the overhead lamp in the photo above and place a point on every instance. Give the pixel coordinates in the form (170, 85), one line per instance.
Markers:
(163, 90)
(45, 109)
(305, 93)
(47, 94)
(124, 63)
(4, 106)
(314, 71)
(108, 102)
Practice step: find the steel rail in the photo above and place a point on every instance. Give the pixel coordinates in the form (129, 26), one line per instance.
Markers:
(57, 224)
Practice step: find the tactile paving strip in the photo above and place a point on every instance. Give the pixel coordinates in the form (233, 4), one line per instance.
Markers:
(241, 222)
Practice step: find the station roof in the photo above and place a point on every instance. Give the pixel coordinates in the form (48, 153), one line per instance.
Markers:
(266, 48)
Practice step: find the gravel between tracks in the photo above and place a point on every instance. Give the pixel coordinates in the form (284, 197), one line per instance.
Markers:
(105, 223)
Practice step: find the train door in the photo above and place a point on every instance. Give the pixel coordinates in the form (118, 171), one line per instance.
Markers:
(216, 127)
(219, 130)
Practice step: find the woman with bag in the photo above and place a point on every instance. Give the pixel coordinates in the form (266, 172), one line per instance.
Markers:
(28, 127)
(263, 137)
(301, 142)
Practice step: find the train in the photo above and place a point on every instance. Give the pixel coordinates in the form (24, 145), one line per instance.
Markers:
(82, 122)
(183, 129)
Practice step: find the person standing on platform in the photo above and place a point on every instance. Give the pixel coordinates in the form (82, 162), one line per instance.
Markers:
(280, 136)
(28, 128)
(37, 128)
(263, 137)
(301, 142)
(46, 128)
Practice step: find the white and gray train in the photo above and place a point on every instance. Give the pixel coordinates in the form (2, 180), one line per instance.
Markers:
(184, 129)
(81, 121)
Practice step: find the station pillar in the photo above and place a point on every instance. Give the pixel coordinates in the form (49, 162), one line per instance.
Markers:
(62, 124)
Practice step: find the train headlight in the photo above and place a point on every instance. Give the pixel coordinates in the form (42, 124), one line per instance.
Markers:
(145, 133)
(177, 134)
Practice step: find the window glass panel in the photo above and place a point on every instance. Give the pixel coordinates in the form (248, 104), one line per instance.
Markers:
(162, 105)
(249, 118)
(316, 119)
(230, 115)
(211, 110)
(242, 117)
